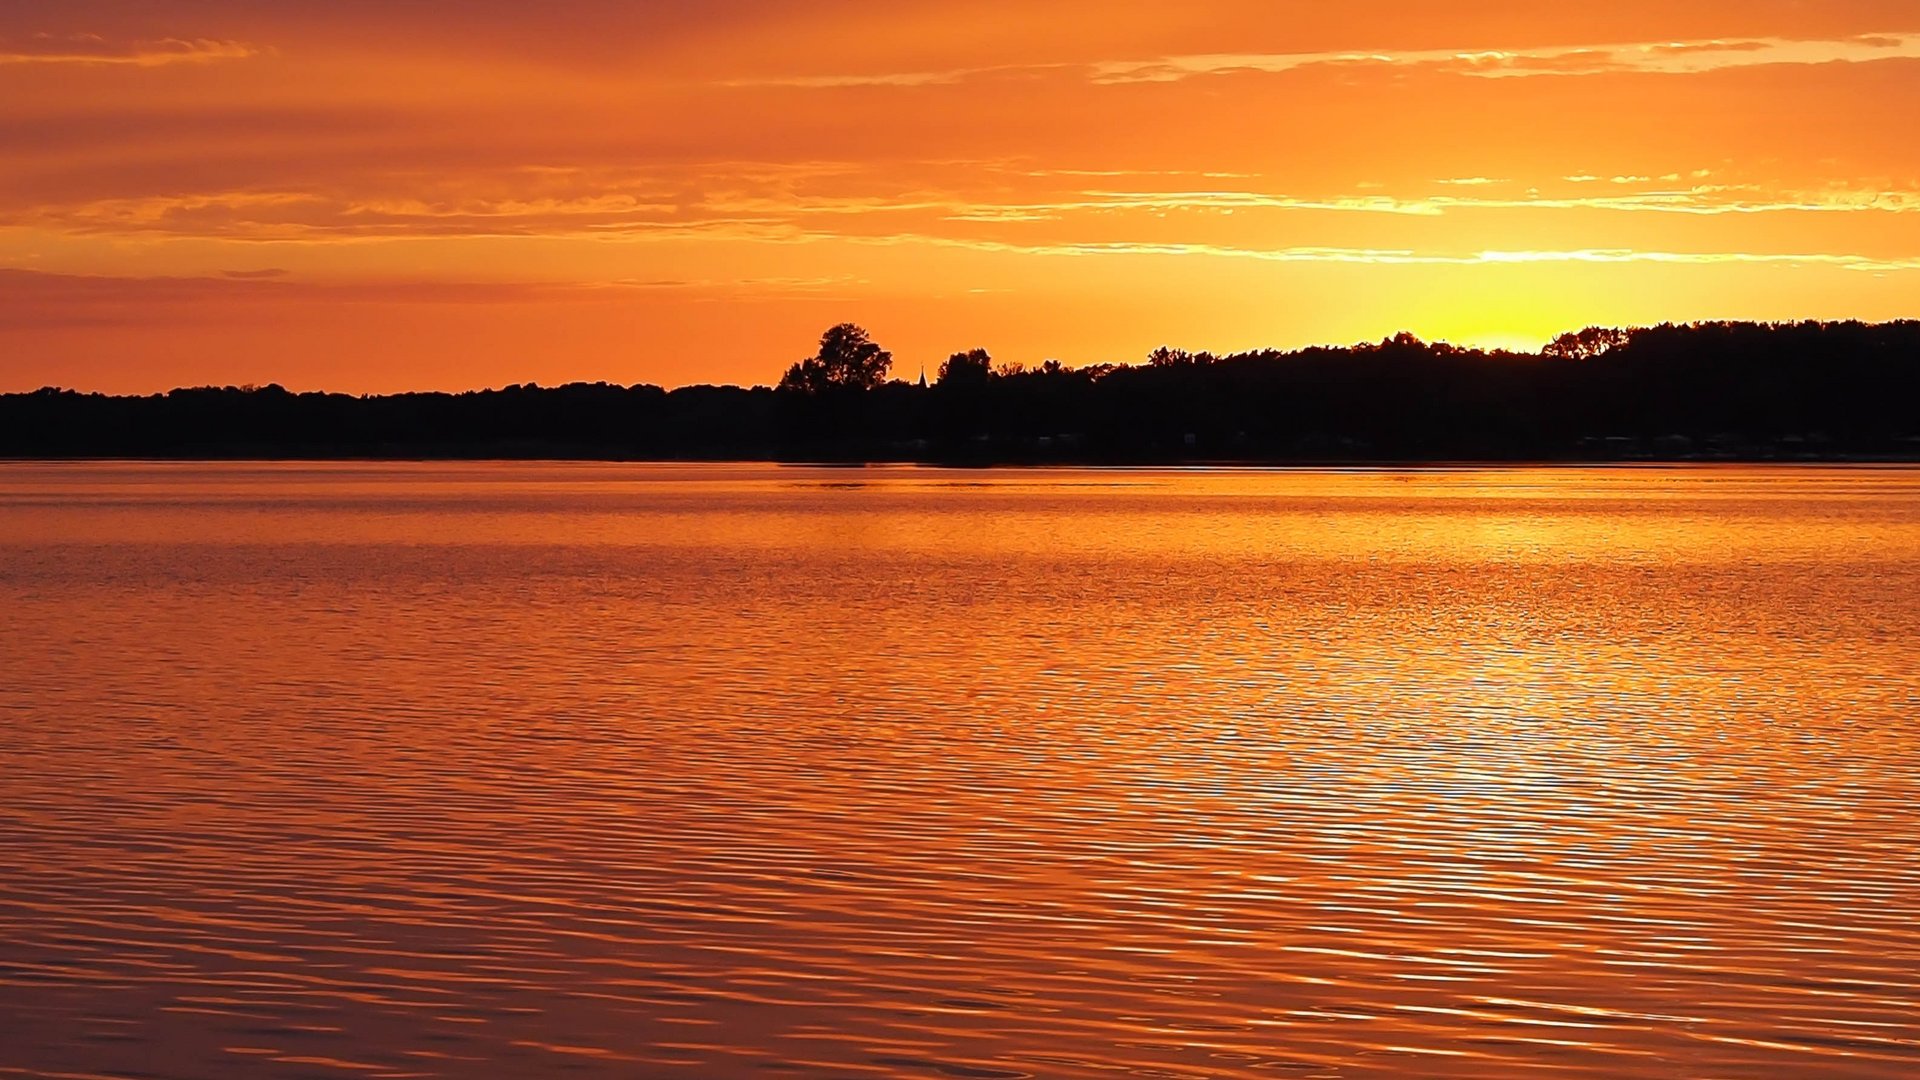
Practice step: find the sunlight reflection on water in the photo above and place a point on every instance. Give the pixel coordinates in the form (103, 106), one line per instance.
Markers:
(502, 770)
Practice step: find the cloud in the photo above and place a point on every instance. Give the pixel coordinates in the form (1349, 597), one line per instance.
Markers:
(760, 205)
(30, 290)
(1409, 257)
(900, 78)
(1654, 58)
(94, 49)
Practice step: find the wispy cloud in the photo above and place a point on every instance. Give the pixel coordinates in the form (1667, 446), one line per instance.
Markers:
(1659, 58)
(639, 205)
(32, 287)
(884, 78)
(1409, 257)
(96, 50)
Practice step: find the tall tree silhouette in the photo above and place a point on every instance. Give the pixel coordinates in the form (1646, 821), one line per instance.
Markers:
(971, 368)
(848, 359)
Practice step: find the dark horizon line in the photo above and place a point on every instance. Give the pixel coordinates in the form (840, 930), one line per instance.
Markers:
(1728, 391)
(1569, 340)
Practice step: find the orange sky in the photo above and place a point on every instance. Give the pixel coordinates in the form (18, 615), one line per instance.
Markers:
(366, 195)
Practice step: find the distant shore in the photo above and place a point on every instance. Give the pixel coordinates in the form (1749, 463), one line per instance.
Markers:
(563, 456)
(1707, 392)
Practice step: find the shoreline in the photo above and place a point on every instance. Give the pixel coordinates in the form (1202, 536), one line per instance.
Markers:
(960, 464)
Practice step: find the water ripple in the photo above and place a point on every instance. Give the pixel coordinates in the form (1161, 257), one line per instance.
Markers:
(499, 770)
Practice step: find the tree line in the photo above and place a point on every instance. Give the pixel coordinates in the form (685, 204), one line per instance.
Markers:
(1717, 389)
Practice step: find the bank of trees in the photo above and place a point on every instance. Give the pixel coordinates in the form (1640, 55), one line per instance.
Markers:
(1711, 389)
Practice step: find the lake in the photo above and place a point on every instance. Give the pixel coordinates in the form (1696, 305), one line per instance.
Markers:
(526, 770)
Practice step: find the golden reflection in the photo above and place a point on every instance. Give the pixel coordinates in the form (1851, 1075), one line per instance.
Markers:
(503, 770)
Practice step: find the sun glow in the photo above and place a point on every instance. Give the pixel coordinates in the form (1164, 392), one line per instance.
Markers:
(429, 196)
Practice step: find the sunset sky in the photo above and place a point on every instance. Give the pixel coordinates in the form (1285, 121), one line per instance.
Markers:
(369, 195)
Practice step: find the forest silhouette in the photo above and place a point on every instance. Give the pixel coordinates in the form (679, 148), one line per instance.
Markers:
(1809, 390)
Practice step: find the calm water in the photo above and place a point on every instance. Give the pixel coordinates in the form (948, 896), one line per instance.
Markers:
(575, 770)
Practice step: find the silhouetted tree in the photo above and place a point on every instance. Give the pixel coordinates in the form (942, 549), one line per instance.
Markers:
(971, 368)
(1586, 344)
(848, 359)
(1165, 357)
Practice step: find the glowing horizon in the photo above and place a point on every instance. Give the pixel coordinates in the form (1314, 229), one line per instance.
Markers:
(367, 197)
